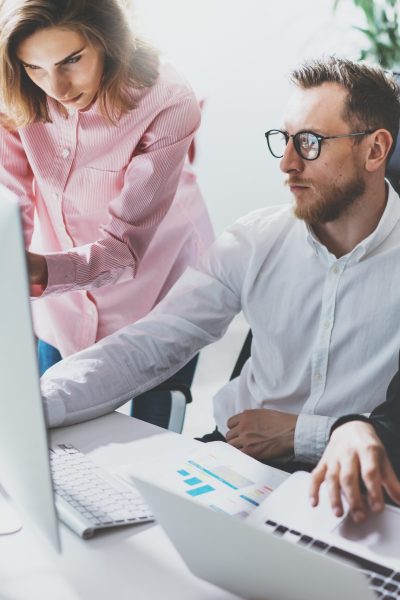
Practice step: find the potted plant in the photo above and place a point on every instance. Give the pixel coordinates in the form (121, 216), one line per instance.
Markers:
(381, 30)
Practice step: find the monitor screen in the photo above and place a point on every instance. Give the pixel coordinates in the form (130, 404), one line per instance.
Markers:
(24, 454)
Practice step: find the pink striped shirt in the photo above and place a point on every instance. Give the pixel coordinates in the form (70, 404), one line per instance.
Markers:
(116, 216)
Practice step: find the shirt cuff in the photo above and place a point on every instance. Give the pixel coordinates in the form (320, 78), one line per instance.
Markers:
(347, 419)
(311, 437)
(61, 273)
(54, 411)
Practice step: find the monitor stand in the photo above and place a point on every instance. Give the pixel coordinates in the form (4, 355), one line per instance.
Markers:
(9, 519)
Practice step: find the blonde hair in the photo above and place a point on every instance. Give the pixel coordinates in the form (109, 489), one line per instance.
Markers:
(128, 61)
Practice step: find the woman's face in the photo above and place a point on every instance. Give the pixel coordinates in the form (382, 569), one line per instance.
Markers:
(64, 65)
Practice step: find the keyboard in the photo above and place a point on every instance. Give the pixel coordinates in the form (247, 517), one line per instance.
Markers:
(88, 498)
(384, 581)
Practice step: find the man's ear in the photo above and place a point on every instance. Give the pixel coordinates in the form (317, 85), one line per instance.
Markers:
(379, 145)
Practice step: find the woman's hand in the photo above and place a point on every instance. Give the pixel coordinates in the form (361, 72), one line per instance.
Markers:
(37, 268)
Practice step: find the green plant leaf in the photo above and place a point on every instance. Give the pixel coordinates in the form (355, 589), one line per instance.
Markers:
(381, 32)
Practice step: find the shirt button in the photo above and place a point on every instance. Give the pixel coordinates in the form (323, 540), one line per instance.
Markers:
(318, 376)
(55, 195)
(335, 270)
(65, 153)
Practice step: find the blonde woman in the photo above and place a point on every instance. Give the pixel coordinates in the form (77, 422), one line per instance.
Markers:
(94, 136)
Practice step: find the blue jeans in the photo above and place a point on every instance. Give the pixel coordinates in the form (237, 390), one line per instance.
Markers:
(47, 356)
(152, 406)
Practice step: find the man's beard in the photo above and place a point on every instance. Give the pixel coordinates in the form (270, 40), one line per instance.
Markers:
(331, 204)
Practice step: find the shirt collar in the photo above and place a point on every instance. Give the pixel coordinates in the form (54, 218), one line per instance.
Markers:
(388, 220)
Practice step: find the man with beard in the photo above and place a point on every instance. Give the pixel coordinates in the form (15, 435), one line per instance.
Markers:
(318, 284)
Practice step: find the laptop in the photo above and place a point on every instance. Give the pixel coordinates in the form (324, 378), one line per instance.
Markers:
(37, 484)
(285, 550)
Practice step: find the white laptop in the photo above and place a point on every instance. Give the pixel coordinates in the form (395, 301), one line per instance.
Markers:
(285, 550)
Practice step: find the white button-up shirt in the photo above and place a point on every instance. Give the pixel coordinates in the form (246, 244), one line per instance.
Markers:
(325, 331)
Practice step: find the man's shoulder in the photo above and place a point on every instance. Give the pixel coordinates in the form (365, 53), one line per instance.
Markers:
(278, 216)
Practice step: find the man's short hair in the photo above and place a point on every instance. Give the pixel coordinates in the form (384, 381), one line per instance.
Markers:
(373, 100)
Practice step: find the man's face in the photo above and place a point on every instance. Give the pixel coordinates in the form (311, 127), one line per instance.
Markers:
(326, 188)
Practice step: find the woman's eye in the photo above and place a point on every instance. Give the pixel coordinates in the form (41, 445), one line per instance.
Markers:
(31, 67)
(72, 60)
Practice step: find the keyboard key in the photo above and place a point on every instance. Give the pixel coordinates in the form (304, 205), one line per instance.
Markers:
(294, 532)
(390, 587)
(362, 563)
(318, 545)
(377, 582)
(280, 530)
(305, 540)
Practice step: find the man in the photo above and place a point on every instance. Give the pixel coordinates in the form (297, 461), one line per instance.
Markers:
(319, 286)
(363, 450)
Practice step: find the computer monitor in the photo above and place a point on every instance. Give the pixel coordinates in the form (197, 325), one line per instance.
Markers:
(24, 454)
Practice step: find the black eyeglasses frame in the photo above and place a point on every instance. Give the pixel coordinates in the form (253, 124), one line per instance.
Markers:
(318, 137)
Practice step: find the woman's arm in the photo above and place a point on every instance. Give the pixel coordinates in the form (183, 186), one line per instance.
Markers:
(150, 183)
(16, 175)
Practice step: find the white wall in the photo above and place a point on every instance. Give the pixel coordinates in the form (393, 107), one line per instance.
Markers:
(237, 55)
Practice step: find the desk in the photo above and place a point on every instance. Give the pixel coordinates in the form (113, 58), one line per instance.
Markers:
(135, 562)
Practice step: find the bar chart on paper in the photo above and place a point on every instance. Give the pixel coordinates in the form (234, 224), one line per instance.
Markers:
(223, 487)
(214, 474)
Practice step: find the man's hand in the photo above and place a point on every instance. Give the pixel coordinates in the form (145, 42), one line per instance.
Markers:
(263, 434)
(37, 267)
(355, 453)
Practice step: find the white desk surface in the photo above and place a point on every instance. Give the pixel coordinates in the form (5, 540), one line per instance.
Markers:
(137, 562)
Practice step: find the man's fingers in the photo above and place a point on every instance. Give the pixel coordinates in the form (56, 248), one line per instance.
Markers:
(317, 477)
(233, 421)
(235, 442)
(333, 487)
(231, 434)
(350, 484)
(372, 473)
(391, 482)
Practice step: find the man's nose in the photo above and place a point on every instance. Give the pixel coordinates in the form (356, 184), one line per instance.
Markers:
(291, 160)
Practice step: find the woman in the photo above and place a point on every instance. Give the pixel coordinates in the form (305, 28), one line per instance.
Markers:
(94, 139)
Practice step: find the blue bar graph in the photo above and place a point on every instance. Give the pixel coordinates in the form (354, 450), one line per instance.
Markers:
(204, 489)
(250, 500)
(192, 481)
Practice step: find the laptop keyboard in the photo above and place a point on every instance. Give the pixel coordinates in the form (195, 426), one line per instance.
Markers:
(88, 498)
(385, 582)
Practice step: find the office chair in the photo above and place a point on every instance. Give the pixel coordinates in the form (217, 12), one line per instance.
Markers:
(165, 405)
(244, 354)
(393, 167)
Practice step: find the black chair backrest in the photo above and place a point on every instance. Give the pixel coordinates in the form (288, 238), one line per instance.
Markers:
(393, 167)
(243, 356)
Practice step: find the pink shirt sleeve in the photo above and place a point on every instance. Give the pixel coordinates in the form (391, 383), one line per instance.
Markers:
(16, 174)
(149, 186)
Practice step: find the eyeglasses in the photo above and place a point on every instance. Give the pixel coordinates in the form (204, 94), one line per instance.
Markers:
(306, 143)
